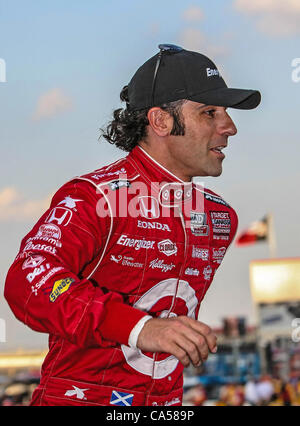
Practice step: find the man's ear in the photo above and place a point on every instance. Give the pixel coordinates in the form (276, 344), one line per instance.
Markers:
(160, 121)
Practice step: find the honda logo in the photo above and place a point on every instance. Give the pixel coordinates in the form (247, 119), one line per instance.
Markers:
(149, 207)
(60, 215)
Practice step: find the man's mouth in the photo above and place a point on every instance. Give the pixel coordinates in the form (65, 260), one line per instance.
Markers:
(218, 151)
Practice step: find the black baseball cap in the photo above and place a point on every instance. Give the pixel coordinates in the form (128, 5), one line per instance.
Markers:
(175, 73)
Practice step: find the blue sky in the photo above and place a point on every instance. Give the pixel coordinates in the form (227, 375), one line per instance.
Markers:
(66, 64)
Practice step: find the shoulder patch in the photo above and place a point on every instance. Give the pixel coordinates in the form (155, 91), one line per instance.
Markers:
(120, 170)
(117, 184)
(215, 199)
(103, 174)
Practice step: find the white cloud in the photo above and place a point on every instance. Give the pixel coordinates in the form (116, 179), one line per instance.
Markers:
(15, 208)
(254, 6)
(194, 39)
(8, 196)
(193, 14)
(273, 17)
(51, 103)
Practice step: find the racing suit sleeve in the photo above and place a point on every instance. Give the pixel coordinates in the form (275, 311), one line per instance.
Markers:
(45, 287)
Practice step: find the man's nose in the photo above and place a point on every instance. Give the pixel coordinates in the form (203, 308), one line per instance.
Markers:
(227, 126)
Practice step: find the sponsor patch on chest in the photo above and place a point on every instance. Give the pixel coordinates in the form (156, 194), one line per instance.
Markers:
(198, 224)
(221, 224)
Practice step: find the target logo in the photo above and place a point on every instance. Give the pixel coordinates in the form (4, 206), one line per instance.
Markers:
(163, 290)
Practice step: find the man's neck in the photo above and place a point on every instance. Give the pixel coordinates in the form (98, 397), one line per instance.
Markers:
(164, 162)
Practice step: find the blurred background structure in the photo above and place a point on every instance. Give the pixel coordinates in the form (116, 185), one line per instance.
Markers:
(62, 67)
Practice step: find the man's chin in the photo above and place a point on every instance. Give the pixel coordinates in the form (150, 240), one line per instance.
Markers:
(216, 173)
(212, 173)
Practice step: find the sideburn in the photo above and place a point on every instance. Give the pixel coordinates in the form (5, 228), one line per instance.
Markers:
(175, 110)
(178, 124)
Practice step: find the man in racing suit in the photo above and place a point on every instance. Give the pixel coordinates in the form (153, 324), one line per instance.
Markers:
(115, 270)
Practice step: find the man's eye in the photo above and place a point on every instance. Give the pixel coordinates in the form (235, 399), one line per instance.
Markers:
(210, 112)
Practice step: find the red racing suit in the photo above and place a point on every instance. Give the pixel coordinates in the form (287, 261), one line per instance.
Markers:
(123, 242)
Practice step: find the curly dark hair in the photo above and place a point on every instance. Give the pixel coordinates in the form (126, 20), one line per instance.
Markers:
(129, 127)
